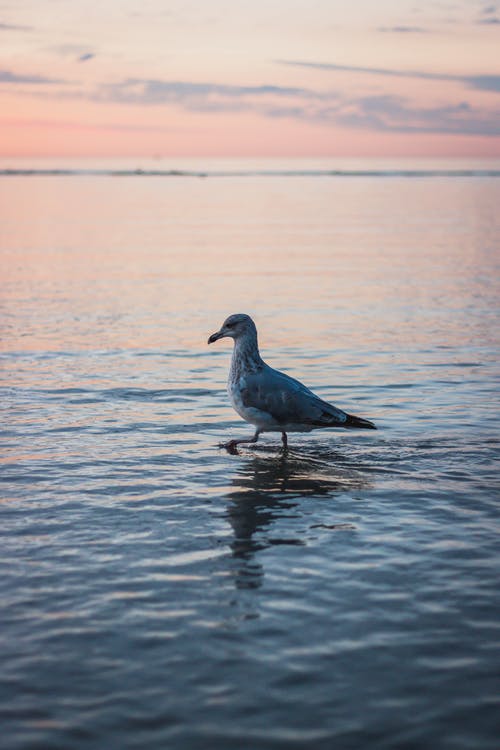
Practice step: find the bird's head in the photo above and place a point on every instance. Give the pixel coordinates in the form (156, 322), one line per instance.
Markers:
(234, 327)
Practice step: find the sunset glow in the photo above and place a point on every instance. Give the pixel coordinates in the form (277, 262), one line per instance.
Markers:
(324, 78)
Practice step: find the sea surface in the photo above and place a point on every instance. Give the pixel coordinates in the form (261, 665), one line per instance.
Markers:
(158, 592)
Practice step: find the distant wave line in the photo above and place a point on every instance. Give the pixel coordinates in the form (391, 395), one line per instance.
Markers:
(35, 172)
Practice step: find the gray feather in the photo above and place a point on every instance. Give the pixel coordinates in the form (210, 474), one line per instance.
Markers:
(287, 400)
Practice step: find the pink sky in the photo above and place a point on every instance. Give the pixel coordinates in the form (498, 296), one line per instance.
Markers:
(270, 78)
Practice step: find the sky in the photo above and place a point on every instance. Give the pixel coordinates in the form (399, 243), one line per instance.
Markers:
(277, 78)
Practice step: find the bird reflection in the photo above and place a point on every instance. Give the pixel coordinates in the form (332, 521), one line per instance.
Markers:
(269, 487)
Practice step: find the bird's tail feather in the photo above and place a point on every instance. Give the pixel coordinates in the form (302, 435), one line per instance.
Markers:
(359, 423)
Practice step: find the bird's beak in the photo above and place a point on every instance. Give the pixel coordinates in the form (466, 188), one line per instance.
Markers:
(215, 337)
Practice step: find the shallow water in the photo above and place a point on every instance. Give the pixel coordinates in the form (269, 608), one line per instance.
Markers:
(158, 592)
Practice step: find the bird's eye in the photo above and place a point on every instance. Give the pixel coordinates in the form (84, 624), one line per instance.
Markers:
(230, 325)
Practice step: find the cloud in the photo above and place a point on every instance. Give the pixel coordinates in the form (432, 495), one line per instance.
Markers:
(489, 16)
(6, 76)
(200, 96)
(330, 108)
(402, 29)
(14, 27)
(369, 70)
(484, 82)
(393, 114)
(396, 114)
(78, 52)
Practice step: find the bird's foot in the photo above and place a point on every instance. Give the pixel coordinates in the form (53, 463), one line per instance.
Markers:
(231, 446)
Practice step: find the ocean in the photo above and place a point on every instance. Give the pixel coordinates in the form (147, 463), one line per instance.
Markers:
(158, 592)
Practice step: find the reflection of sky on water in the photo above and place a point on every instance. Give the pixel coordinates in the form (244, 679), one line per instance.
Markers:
(343, 262)
(356, 567)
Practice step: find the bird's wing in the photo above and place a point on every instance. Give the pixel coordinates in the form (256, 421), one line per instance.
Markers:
(287, 400)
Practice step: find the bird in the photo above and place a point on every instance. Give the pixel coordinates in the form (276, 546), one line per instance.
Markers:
(269, 399)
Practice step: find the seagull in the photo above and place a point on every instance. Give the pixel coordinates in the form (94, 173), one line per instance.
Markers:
(269, 399)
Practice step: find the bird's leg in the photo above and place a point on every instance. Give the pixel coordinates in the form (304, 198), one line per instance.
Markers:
(284, 440)
(231, 445)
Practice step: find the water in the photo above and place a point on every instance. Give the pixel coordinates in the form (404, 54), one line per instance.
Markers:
(158, 592)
